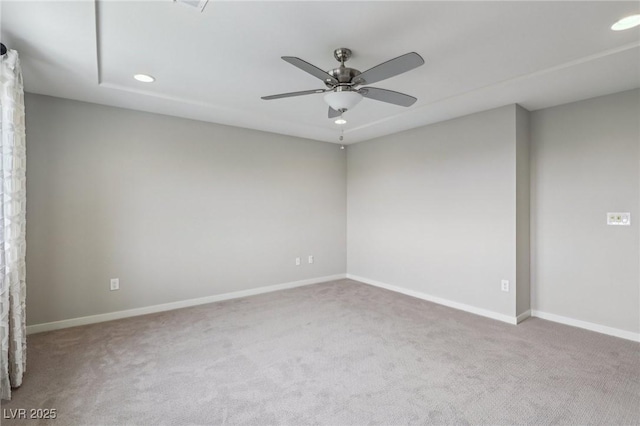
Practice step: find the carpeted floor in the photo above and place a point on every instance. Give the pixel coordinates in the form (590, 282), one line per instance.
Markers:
(338, 353)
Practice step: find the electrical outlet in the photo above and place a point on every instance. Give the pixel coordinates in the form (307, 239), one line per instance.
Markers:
(504, 285)
(298, 261)
(310, 259)
(114, 284)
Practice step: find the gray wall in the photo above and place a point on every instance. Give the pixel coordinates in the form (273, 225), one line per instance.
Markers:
(176, 209)
(433, 209)
(585, 163)
(180, 209)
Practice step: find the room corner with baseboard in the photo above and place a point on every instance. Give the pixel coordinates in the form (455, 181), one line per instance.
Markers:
(192, 210)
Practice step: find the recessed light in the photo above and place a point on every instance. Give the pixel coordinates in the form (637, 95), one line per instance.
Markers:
(626, 23)
(340, 121)
(145, 78)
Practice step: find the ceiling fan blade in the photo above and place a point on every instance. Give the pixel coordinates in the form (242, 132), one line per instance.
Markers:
(333, 113)
(390, 68)
(291, 94)
(388, 96)
(311, 69)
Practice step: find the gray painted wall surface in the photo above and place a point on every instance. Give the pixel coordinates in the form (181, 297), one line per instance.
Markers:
(585, 164)
(176, 209)
(179, 209)
(433, 209)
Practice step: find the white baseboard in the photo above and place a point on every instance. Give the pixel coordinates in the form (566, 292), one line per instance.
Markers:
(440, 301)
(629, 335)
(523, 316)
(92, 319)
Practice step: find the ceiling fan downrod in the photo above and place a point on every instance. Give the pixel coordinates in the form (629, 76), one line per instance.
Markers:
(344, 75)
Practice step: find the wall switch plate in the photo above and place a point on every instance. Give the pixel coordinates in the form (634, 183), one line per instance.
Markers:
(310, 259)
(504, 285)
(619, 218)
(298, 261)
(114, 284)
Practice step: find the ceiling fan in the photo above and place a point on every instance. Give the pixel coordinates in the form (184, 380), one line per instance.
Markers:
(343, 91)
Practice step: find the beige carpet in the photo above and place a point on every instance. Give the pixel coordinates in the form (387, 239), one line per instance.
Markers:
(338, 353)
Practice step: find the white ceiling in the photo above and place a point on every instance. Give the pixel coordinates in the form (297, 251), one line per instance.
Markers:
(215, 65)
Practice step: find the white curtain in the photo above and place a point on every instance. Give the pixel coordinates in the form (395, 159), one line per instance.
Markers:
(12, 225)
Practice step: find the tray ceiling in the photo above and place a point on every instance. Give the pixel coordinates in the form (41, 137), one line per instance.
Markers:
(215, 65)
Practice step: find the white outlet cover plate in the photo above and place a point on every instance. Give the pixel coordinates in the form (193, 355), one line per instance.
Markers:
(114, 284)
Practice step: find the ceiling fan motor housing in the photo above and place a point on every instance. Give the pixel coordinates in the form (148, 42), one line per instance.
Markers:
(343, 74)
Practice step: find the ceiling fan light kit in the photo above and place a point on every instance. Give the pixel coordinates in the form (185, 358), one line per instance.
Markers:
(343, 91)
(342, 100)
